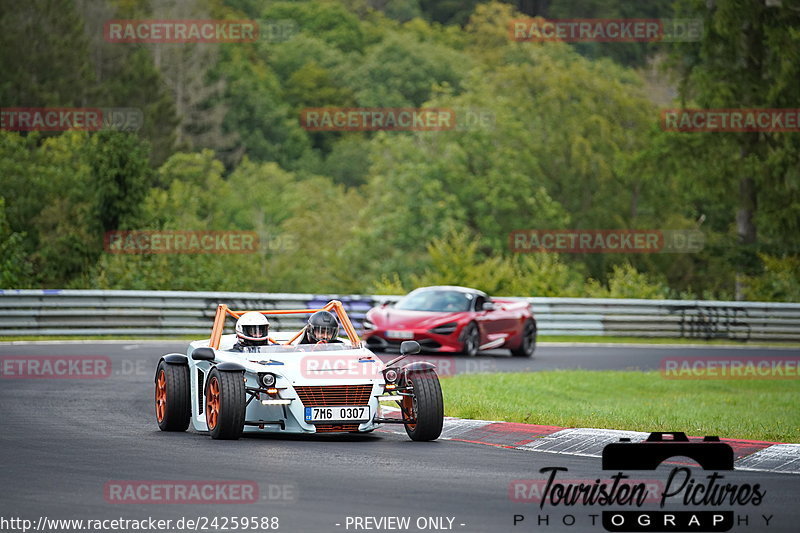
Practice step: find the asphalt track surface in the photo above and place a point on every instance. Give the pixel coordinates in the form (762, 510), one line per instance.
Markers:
(63, 441)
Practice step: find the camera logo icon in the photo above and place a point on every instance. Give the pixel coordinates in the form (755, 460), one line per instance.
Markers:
(710, 453)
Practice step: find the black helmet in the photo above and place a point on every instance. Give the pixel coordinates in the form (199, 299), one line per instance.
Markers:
(322, 326)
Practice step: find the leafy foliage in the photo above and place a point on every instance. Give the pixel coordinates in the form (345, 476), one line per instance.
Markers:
(546, 136)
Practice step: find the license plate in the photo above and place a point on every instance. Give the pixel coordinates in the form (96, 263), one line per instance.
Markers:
(337, 414)
(395, 334)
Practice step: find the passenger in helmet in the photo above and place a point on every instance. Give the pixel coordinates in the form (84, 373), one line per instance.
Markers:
(321, 327)
(252, 330)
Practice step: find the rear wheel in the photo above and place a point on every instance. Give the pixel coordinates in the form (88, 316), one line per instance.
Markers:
(172, 397)
(528, 344)
(426, 406)
(472, 340)
(225, 404)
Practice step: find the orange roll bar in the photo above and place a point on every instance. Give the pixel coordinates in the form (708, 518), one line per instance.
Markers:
(334, 305)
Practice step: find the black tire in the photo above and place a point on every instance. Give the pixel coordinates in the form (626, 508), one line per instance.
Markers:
(528, 344)
(472, 340)
(172, 402)
(426, 405)
(225, 404)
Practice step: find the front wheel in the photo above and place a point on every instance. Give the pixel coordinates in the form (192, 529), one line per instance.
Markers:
(225, 404)
(172, 397)
(425, 406)
(528, 344)
(472, 341)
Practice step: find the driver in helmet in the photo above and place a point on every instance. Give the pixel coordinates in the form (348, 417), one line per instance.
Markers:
(321, 327)
(252, 330)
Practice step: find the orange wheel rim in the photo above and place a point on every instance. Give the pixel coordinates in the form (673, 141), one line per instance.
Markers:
(212, 403)
(161, 396)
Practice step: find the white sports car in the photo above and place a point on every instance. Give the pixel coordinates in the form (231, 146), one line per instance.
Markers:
(288, 387)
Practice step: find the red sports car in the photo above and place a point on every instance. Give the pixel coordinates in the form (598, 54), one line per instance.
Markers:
(452, 319)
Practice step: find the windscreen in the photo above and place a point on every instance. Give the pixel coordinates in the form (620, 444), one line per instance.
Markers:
(437, 301)
(304, 348)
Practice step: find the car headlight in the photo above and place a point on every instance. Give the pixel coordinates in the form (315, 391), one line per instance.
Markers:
(267, 380)
(368, 325)
(444, 329)
(390, 375)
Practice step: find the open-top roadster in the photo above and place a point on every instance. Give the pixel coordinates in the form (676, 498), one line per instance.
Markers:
(289, 387)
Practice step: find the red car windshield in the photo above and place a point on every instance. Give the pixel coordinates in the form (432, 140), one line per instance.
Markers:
(437, 301)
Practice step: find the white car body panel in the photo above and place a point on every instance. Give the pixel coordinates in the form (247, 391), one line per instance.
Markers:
(331, 364)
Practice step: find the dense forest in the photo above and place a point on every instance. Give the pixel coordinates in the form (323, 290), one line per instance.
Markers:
(554, 135)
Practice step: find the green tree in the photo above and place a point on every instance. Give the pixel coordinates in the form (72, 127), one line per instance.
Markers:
(188, 202)
(44, 55)
(348, 161)
(63, 194)
(629, 54)
(749, 58)
(15, 270)
(126, 76)
(66, 237)
(400, 72)
(448, 11)
(120, 178)
(259, 113)
(626, 282)
(327, 20)
(315, 86)
(457, 260)
(778, 280)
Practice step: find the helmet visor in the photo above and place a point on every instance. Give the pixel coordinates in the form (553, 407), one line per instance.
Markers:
(323, 333)
(255, 331)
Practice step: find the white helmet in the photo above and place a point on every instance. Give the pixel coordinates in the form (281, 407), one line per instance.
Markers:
(252, 328)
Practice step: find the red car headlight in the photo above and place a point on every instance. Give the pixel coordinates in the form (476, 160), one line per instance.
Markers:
(444, 329)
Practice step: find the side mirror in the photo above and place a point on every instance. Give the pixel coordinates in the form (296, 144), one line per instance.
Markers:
(409, 347)
(489, 306)
(203, 354)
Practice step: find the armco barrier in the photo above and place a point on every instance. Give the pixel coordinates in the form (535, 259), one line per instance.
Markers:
(169, 313)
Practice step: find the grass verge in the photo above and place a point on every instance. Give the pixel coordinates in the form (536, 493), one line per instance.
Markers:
(639, 401)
